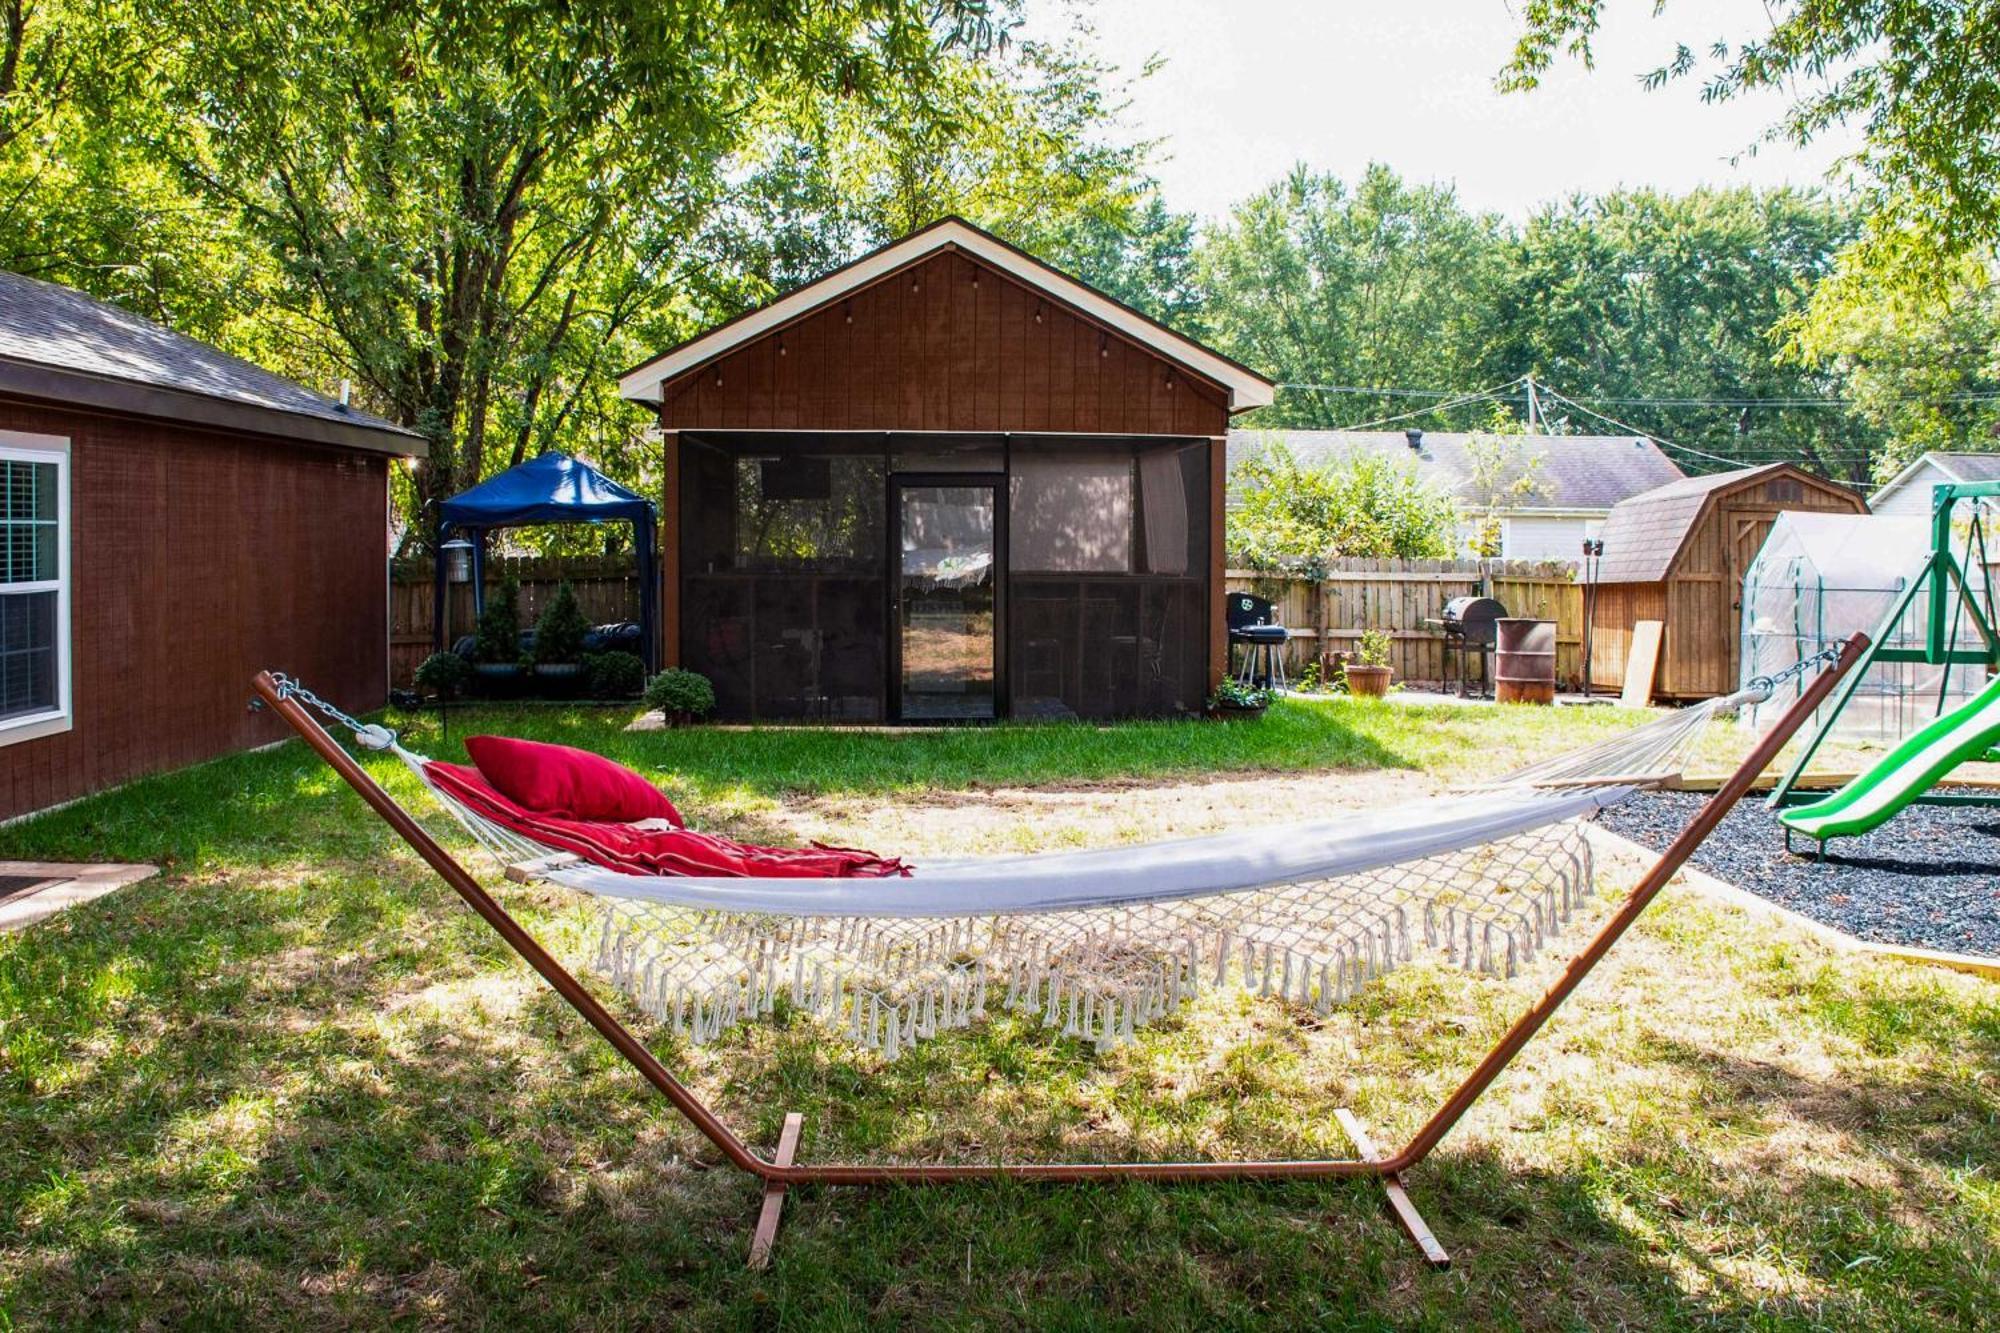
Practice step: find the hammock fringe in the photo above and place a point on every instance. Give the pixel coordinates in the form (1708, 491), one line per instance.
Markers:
(1097, 975)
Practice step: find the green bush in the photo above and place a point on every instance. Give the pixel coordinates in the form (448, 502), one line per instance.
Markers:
(444, 674)
(1290, 515)
(559, 634)
(614, 675)
(1235, 694)
(498, 638)
(680, 694)
(1373, 649)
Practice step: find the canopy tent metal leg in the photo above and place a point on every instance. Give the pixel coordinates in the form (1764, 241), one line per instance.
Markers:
(784, 1172)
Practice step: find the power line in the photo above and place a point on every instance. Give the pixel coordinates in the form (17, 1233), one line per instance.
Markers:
(1482, 395)
(1632, 429)
(1842, 404)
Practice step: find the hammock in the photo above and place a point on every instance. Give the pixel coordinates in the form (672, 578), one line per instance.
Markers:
(1490, 879)
(1096, 943)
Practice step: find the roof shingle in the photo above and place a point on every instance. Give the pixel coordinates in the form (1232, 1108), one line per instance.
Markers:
(1591, 472)
(48, 326)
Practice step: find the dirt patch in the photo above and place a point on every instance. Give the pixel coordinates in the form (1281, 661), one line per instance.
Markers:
(1023, 819)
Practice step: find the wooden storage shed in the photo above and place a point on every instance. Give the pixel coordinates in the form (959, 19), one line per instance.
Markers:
(945, 482)
(1678, 554)
(171, 520)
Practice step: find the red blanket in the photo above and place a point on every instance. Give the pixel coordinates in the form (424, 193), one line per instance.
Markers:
(651, 849)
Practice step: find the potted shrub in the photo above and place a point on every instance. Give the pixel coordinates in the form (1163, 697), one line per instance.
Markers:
(443, 676)
(496, 644)
(1233, 699)
(559, 638)
(1369, 673)
(680, 696)
(614, 675)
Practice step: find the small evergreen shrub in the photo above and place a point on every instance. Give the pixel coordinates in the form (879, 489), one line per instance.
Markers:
(498, 638)
(559, 633)
(679, 693)
(1373, 649)
(614, 675)
(443, 674)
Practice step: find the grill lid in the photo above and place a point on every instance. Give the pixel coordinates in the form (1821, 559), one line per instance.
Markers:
(1471, 618)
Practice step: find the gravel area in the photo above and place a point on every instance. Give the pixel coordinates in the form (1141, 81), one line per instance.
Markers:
(1930, 877)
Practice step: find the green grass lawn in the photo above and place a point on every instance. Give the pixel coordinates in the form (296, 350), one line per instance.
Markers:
(292, 1082)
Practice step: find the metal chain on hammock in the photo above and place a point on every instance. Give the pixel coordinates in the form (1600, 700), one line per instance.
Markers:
(1823, 658)
(368, 735)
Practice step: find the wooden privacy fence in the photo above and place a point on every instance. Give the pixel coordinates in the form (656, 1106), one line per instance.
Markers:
(1328, 615)
(607, 588)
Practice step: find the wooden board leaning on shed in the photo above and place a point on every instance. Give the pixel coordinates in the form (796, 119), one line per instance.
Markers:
(1640, 665)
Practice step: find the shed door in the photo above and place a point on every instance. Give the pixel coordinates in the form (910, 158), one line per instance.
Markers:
(1747, 534)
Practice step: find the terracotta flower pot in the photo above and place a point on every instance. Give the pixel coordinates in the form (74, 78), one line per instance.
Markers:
(1370, 682)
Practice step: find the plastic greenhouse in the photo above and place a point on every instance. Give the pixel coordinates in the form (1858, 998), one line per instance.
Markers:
(1817, 580)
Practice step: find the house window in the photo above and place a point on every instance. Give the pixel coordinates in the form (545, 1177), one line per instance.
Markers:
(34, 586)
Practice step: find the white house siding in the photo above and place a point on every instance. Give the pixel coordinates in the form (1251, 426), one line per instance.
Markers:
(1913, 496)
(1546, 537)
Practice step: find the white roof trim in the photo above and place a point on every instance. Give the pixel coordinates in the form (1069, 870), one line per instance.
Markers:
(1902, 479)
(1246, 390)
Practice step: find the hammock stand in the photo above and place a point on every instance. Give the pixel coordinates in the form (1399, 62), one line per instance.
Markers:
(782, 1171)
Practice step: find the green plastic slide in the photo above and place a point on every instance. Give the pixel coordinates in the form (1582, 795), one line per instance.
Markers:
(1905, 773)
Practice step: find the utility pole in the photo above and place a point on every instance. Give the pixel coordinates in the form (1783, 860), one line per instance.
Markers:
(1534, 404)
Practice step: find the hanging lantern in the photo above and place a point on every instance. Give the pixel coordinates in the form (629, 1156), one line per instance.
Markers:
(457, 560)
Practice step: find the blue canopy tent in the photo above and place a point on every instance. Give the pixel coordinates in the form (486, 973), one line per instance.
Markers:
(553, 488)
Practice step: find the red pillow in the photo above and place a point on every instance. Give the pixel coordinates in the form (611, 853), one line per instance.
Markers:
(567, 782)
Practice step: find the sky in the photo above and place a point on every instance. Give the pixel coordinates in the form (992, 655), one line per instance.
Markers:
(1251, 87)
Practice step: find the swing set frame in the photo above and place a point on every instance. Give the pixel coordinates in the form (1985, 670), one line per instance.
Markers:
(1950, 593)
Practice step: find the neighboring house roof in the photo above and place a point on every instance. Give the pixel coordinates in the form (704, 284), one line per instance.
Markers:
(1645, 534)
(59, 344)
(1577, 472)
(1956, 467)
(1246, 388)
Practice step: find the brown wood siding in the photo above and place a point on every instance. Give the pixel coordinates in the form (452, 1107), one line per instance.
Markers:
(946, 344)
(1700, 600)
(197, 557)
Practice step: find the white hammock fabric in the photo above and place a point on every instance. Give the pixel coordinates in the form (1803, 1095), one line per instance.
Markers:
(1100, 943)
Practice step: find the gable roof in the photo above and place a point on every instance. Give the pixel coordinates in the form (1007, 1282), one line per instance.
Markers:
(57, 343)
(1245, 387)
(1578, 472)
(1644, 535)
(1955, 466)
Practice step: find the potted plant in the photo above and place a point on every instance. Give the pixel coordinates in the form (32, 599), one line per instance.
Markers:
(1369, 673)
(496, 645)
(680, 696)
(1233, 699)
(614, 675)
(443, 676)
(559, 638)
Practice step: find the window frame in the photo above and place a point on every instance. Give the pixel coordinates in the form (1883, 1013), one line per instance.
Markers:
(25, 447)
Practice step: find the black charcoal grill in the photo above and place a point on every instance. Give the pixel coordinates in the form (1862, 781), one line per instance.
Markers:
(1469, 625)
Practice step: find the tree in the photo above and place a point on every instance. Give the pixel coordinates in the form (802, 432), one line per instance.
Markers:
(1285, 513)
(470, 205)
(1669, 312)
(1378, 284)
(1506, 469)
(1925, 373)
(1919, 77)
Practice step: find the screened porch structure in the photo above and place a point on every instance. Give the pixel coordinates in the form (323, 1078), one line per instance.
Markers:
(867, 577)
(945, 483)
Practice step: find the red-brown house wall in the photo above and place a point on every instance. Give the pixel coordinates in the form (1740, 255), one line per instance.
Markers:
(945, 344)
(197, 557)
